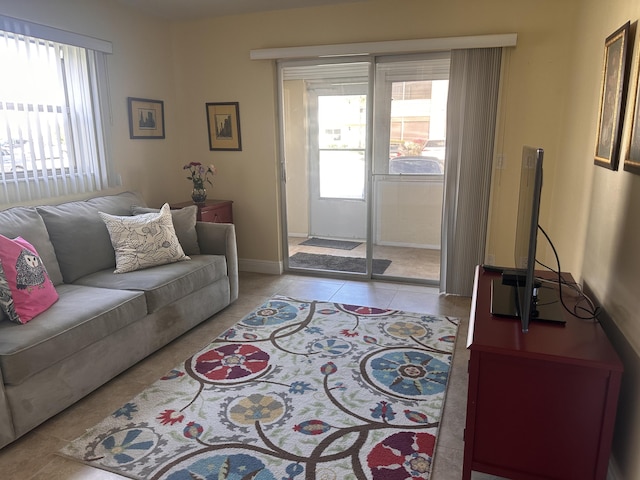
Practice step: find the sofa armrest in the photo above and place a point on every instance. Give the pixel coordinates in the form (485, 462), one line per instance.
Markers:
(7, 432)
(220, 239)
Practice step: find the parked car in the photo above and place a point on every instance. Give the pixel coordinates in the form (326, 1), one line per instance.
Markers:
(394, 150)
(7, 164)
(6, 156)
(435, 148)
(416, 165)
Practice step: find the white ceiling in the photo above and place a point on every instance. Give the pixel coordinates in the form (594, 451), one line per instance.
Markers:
(192, 9)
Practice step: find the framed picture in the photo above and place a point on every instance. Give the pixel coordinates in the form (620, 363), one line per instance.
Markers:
(146, 118)
(223, 122)
(612, 98)
(632, 141)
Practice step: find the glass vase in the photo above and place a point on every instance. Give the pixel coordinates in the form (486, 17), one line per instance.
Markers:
(199, 195)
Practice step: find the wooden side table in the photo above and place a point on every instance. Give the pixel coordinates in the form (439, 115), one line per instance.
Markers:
(213, 211)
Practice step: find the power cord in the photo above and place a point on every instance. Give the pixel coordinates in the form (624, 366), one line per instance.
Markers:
(592, 311)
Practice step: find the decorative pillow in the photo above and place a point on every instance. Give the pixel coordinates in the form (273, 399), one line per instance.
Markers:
(184, 223)
(143, 241)
(25, 287)
(6, 299)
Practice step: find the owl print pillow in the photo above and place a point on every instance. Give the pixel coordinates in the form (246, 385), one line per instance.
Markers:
(25, 287)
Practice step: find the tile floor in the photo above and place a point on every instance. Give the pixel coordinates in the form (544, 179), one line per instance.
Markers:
(34, 455)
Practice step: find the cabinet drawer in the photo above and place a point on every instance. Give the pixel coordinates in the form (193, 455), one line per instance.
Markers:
(220, 214)
(212, 211)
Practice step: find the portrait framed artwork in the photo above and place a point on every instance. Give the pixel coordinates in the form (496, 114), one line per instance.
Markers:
(612, 98)
(146, 118)
(632, 139)
(223, 123)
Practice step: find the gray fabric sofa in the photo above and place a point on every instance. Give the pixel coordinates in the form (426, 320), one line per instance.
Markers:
(102, 323)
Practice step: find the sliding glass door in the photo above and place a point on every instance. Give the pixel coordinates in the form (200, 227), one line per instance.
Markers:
(325, 110)
(363, 165)
(408, 168)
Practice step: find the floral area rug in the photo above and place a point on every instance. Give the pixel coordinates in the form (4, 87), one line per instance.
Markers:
(297, 390)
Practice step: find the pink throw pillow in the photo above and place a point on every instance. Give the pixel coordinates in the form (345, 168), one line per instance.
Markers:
(27, 279)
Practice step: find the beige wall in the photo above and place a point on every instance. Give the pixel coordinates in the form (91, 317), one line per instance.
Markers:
(596, 217)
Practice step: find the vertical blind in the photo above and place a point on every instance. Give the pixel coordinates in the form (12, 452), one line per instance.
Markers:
(471, 119)
(52, 136)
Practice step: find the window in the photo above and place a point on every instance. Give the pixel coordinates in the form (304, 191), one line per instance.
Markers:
(52, 137)
(418, 113)
(412, 104)
(341, 163)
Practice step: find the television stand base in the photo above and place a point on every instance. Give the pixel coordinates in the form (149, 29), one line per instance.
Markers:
(513, 278)
(504, 303)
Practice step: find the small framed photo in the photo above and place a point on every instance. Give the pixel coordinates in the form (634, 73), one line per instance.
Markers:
(223, 122)
(612, 99)
(146, 118)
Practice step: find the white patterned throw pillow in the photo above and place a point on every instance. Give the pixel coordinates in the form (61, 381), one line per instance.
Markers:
(143, 241)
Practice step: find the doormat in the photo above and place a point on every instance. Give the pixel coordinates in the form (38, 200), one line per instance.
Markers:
(337, 263)
(296, 390)
(328, 243)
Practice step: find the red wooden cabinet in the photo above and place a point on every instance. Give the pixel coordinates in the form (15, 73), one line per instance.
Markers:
(540, 404)
(213, 211)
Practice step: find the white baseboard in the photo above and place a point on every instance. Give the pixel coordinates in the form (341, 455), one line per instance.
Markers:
(408, 245)
(260, 266)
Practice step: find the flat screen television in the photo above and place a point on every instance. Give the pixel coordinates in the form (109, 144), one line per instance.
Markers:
(518, 294)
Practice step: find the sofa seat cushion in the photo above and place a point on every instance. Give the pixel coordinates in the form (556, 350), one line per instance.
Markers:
(81, 316)
(163, 284)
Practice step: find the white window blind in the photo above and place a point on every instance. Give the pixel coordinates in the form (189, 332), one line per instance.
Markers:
(52, 136)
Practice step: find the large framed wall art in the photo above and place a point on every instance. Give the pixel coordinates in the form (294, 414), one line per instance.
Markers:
(632, 140)
(612, 98)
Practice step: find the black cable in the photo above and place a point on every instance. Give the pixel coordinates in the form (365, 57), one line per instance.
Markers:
(593, 311)
(593, 314)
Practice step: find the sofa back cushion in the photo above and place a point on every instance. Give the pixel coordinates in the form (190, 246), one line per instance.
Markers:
(184, 223)
(80, 237)
(25, 222)
(117, 204)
